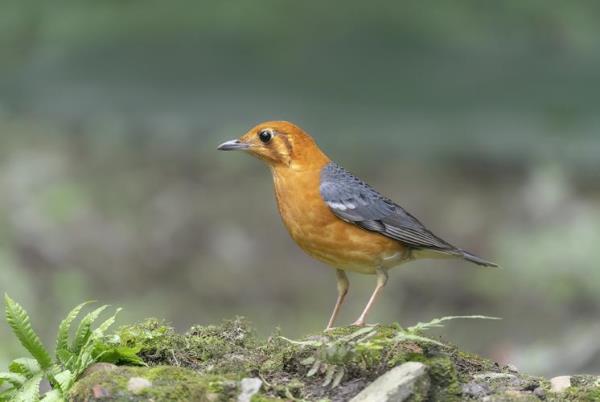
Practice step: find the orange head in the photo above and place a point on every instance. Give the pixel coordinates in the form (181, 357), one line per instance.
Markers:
(280, 144)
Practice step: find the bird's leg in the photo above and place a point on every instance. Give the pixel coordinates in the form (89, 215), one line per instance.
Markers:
(342, 286)
(382, 278)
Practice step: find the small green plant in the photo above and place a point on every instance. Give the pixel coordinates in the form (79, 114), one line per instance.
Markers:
(415, 332)
(73, 354)
(364, 347)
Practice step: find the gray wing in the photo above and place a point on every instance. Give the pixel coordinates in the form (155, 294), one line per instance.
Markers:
(354, 201)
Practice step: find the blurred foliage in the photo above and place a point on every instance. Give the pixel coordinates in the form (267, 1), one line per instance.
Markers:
(481, 118)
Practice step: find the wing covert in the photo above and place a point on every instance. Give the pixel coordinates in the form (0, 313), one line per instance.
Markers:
(354, 201)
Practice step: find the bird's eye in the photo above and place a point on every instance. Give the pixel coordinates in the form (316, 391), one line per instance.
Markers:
(265, 136)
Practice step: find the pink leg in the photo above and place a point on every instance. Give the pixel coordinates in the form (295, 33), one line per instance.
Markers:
(381, 281)
(342, 286)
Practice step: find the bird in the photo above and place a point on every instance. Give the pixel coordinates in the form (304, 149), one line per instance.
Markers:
(336, 217)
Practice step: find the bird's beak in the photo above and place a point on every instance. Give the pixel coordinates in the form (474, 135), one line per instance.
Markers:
(233, 145)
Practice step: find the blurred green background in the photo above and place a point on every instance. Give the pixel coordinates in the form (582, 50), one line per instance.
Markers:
(482, 118)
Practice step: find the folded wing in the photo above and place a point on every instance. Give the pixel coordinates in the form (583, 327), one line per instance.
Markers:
(354, 201)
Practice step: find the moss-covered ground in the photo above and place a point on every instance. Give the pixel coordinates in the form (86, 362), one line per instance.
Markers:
(208, 362)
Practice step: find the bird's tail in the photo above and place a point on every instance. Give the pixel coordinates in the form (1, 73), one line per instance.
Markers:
(477, 260)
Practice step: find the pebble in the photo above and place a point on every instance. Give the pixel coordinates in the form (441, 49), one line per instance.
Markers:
(539, 392)
(99, 392)
(136, 385)
(476, 390)
(249, 387)
(409, 381)
(560, 383)
(512, 368)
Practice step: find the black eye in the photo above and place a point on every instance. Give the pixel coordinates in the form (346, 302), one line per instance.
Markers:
(265, 136)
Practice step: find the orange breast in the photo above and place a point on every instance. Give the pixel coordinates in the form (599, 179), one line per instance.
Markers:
(323, 235)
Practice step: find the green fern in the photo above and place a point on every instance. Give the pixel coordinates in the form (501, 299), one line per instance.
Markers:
(14, 379)
(72, 356)
(62, 337)
(85, 329)
(20, 323)
(30, 390)
(332, 354)
(64, 380)
(102, 328)
(438, 322)
(53, 396)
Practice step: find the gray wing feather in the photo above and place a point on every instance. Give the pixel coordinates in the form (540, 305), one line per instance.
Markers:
(354, 201)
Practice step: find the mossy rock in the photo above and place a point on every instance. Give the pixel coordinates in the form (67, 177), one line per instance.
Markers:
(163, 383)
(208, 363)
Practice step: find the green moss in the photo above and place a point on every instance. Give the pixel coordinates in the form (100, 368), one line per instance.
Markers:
(444, 379)
(156, 341)
(207, 363)
(264, 398)
(468, 364)
(585, 388)
(588, 381)
(225, 348)
(168, 384)
(512, 396)
(421, 391)
(581, 394)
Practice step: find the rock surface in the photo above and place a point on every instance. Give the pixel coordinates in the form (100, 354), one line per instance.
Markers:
(402, 383)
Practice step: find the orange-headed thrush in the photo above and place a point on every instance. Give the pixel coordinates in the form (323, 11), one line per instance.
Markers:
(336, 217)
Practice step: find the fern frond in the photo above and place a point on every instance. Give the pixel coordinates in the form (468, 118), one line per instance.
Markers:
(65, 380)
(87, 346)
(438, 322)
(12, 378)
(26, 366)
(303, 343)
(102, 328)
(84, 329)
(84, 359)
(19, 321)
(30, 391)
(116, 354)
(53, 396)
(62, 338)
(338, 377)
(7, 395)
(315, 367)
(65, 357)
(329, 373)
(406, 336)
(358, 333)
